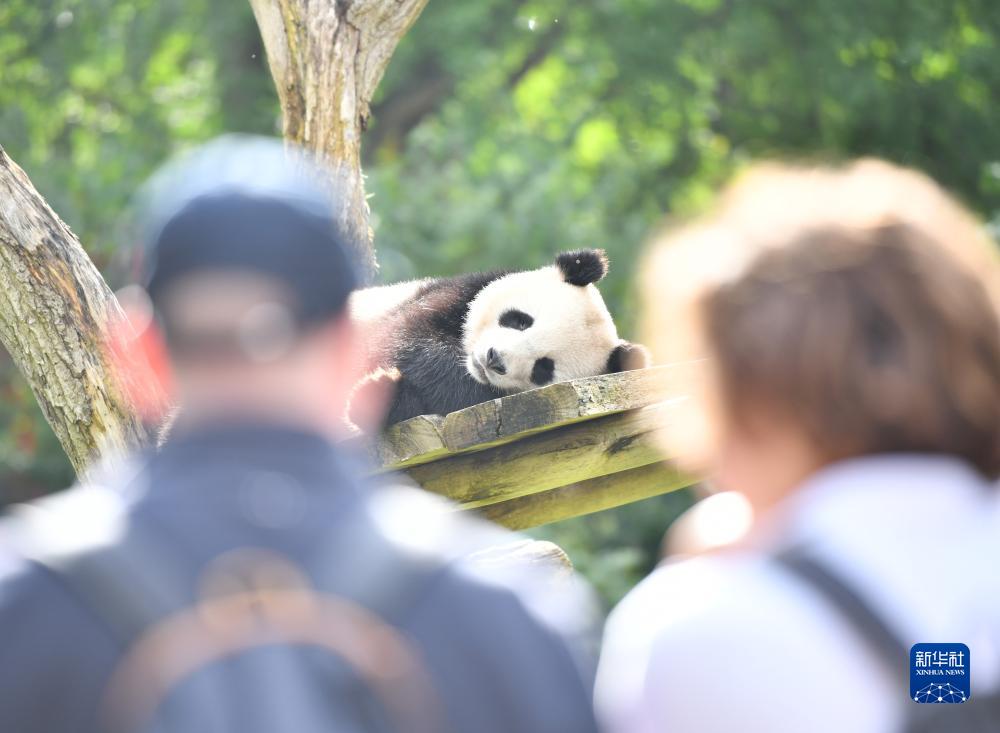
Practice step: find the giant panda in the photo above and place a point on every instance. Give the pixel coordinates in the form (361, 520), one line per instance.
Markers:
(443, 344)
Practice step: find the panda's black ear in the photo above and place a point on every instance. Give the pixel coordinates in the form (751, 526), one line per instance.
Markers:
(625, 357)
(582, 267)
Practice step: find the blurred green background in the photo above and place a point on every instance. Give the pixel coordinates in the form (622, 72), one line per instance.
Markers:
(503, 132)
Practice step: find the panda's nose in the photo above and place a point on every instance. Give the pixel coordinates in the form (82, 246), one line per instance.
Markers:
(494, 362)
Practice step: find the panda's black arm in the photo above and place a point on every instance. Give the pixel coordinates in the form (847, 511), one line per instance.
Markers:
(435, 380)
(406, 402)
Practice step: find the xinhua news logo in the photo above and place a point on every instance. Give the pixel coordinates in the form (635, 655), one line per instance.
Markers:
(939, 673)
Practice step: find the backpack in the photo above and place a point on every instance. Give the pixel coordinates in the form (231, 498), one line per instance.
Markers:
(172, 675)
(980, 714)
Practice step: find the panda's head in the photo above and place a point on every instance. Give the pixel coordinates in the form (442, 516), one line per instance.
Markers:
(528, 329)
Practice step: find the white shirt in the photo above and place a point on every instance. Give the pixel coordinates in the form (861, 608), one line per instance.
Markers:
(732, 642)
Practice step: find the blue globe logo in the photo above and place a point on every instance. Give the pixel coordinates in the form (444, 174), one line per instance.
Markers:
(939, 692)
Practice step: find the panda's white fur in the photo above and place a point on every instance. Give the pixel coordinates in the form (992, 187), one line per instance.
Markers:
(370, 304)
(570, 325)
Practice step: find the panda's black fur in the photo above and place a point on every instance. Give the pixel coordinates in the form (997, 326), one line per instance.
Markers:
(417, 349)
(422, 342)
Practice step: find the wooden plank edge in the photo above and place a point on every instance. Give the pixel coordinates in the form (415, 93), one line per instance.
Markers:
(526, 553)
(586, 497)
(568, 454)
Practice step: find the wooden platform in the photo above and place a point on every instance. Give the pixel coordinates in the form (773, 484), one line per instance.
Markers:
(551, 453)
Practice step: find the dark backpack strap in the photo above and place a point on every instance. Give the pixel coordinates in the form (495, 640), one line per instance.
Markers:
(130, 586)
(119, 575)
(877, 634)
(85, 539)
(979, 715)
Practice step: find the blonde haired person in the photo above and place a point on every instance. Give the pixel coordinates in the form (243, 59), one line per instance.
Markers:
(840, 329)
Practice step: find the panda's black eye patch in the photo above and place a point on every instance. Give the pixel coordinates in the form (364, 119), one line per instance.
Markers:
(543, 371)
(516, 319)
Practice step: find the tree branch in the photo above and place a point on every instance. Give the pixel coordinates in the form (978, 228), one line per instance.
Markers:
(427, 85)
(537, 55)
(327, 57)
(54, 312)
(397, 114)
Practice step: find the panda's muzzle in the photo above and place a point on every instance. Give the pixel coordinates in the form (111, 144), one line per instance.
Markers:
(494, 362)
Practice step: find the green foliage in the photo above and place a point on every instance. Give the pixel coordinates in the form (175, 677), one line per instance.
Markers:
(504, 131)
(95, 93)
(582, 124)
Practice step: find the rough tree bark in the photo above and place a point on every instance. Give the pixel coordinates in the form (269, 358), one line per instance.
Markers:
(54, 309)
(327, 57)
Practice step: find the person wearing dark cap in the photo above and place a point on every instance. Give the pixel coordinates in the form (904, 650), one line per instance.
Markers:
(244, 577)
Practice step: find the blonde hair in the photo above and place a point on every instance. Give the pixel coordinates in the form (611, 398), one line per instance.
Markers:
(860, 302)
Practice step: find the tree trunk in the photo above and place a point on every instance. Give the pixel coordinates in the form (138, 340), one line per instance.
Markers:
(54, 310)
(327, 57)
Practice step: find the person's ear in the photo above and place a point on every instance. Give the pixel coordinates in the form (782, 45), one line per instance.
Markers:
(137, 352)
(627, 356)
(583, 266)
(345, 349)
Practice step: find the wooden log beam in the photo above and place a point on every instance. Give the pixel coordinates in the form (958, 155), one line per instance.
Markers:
(490, 424)
(548, 460)
(586, 497)
(548, 454)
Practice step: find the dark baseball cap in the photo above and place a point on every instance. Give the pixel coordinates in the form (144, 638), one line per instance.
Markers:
(248, 205)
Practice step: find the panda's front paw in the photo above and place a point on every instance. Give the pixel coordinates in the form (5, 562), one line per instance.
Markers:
(628, 356)
(367, 401)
